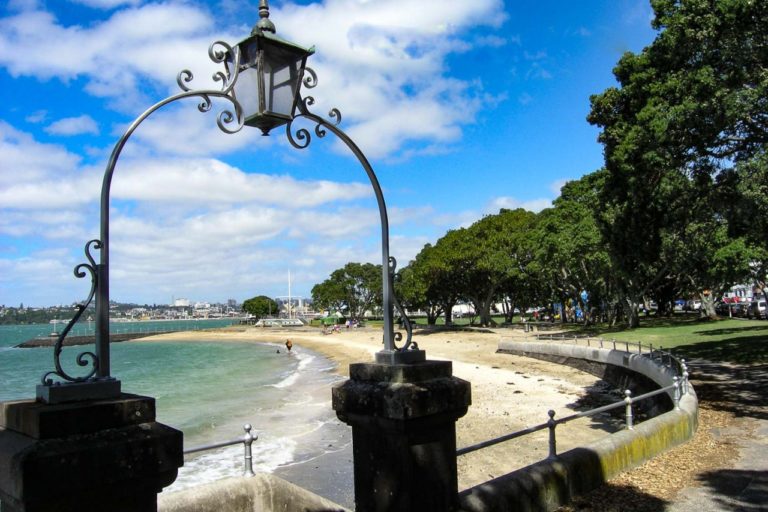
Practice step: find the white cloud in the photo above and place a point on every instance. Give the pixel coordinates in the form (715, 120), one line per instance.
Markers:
(106, 4)
(399, 47)
(74, 126)
(37, 117)
(28, 162)
(114, 55)
(176, 206)
(511, 203)
(556, 186)
(208, 183)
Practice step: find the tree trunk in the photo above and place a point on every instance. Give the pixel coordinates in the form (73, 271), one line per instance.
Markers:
(708, 306)
(448, 308)
(632, 310)
(485, 313)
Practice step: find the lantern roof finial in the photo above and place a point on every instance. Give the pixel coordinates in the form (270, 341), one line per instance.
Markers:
(264, 24)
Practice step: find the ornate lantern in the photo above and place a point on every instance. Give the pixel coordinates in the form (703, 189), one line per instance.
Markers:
(269, 73)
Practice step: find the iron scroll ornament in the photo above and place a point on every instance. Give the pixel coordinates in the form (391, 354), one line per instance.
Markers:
(229, 120)
(83, 358)
(301, 140)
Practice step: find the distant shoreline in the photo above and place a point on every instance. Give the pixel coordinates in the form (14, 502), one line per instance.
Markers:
(71, 341)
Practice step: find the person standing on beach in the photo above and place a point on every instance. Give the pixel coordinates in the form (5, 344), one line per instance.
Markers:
(288, 345)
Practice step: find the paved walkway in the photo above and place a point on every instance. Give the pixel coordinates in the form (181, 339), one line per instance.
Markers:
(743, 390)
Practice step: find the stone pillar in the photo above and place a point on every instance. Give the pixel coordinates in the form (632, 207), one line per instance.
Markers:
(95, 455)
(403, 419)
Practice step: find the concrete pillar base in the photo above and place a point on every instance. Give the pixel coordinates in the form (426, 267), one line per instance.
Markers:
(85, 456)
(403, 420)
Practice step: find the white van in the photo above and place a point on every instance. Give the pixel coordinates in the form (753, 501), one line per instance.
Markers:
(757, 309)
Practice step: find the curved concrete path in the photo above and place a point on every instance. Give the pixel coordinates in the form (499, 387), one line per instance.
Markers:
(743, 390)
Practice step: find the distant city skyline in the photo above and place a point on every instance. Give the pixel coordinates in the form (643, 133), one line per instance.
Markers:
(462, 108)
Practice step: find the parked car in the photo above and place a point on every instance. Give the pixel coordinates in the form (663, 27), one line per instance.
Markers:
(692, 305)
(757, 309)
(734, 309)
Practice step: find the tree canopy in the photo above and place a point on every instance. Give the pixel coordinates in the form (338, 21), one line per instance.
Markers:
(680, 208)
(260, 306)
(351, 290)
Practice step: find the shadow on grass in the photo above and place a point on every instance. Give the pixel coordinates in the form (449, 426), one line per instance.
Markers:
(736, 330)
(738, 350)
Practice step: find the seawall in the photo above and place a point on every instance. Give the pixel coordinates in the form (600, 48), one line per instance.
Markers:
(551, 483)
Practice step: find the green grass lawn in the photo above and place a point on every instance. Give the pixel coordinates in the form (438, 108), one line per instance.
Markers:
(728, 340)
(733, 340)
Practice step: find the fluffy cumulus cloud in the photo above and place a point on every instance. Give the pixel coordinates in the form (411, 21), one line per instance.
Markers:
(112, 56)
(179, 206)
(74, 126)
(388, 59)
(511, 203)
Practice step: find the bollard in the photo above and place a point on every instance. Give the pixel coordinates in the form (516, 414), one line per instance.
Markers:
(248, 439)
(650, 347)
(551, 423)
(614, 343)
(628, 401)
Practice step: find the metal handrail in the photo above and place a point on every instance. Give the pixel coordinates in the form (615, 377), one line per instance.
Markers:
(247, 441)
(679, 388)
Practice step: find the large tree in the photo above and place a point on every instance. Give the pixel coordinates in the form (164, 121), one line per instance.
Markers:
(489, 254)
(429, 282)
(260, 306)
(691, 107)
(353, 290)
(571, 255)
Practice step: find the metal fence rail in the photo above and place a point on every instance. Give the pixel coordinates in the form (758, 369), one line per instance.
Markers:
(247, 441)
(665, 358)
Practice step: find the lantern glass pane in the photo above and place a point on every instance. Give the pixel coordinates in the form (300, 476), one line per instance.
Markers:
(247, 84)
(281, 86)
(282, 65)
(247, 91)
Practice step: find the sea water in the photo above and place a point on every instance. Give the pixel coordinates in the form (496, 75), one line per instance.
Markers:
(208, 390)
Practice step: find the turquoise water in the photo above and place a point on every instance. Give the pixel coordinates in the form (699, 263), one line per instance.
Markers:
(207, 389)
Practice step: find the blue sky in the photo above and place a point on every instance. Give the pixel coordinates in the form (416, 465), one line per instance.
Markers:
(461, 107)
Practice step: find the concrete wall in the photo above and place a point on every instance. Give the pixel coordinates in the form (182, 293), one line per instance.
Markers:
(261, 493)
(546, 485)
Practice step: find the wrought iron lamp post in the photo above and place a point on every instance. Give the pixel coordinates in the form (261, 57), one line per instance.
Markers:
(261, 80)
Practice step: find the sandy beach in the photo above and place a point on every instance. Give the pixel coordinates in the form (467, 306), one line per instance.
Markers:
(508, 392)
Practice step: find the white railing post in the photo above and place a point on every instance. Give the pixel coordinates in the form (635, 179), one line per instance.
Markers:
(628, 401)
(247, 442)
(676, 396)
(684, 367)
